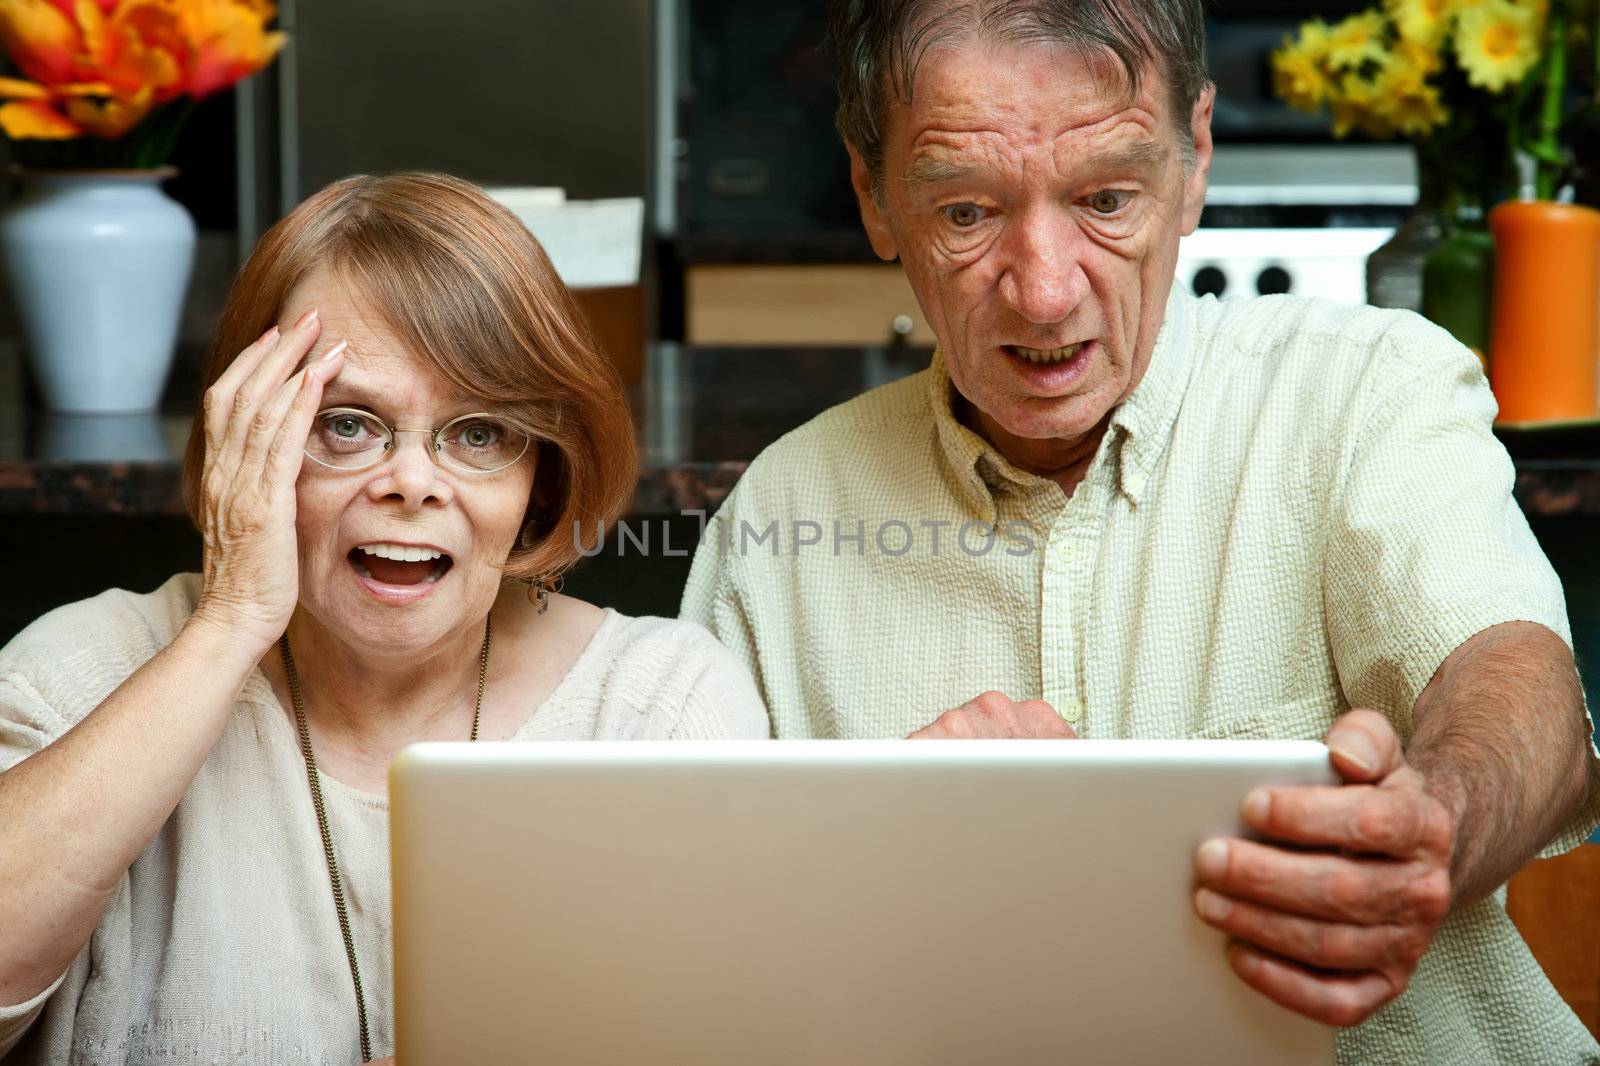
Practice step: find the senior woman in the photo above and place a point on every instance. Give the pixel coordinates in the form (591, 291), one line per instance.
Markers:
(403, 422)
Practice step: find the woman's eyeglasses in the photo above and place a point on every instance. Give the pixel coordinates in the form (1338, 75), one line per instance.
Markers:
(346, 438)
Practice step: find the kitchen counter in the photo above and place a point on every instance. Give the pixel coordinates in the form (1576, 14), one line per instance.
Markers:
(703, 414)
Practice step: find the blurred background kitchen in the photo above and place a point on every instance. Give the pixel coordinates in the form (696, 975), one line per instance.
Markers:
(704, 213)
(738, 296)
(679, 160)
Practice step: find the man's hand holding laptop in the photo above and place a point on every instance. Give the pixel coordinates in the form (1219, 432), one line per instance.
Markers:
(1332, 924)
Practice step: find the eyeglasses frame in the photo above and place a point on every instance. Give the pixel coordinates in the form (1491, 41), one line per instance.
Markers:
(436, 453)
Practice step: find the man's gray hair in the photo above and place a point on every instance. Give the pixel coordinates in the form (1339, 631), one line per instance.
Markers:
(879, 43)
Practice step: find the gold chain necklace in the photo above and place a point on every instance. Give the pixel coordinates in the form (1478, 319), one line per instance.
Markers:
(293, 679)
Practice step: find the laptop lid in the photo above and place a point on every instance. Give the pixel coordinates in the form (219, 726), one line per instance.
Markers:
(841, 902)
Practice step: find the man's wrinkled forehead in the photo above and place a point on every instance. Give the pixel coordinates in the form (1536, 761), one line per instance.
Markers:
(972, 88)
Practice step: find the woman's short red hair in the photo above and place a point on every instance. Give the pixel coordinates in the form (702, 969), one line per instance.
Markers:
(461, 281)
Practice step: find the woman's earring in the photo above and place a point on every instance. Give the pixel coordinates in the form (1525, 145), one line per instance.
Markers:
(540, 588)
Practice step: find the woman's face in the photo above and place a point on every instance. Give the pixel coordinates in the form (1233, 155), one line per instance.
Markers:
(392, 608)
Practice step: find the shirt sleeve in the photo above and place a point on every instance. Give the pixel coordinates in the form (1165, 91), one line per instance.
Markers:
(722, 703)
(715, 598)
(15, 1021)
(27, 724)
(1427, 546)
(707, 575)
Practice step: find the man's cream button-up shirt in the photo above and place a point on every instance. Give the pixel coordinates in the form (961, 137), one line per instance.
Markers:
(1299, 510)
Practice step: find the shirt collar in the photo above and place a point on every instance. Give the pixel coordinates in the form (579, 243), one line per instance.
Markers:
(1139, 430)
(1146, 418)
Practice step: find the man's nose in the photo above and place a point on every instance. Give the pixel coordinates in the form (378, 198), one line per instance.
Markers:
(1043, 279)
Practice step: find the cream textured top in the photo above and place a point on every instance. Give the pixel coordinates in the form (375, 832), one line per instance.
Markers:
(1300, 509)
(221, 943)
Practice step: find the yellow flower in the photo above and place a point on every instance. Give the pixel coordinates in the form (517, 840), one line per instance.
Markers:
(1298, 76)
(1421, 22)
(1426, 61)
(1356, 40)
(1497, 43)
(1357, 106)
(1404, 100)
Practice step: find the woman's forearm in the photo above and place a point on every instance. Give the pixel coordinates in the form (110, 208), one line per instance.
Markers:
(75, 815)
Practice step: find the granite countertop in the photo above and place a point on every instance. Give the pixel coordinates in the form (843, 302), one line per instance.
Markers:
(703, 414)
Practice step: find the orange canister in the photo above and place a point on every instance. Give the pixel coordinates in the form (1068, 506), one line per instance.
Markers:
(1544, 340)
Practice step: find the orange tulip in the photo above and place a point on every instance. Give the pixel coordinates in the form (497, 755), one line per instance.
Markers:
(100, 66)
(230, 42)
(61, 112)
(140, 46)
(28, 114)
(35, 120)
(109, 116)
(42, 41)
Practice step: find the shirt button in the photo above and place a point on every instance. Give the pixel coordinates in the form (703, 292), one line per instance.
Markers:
(1072, 711)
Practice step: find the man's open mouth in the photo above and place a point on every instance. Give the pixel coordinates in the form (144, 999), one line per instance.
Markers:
(1046, 356)
(399, 564)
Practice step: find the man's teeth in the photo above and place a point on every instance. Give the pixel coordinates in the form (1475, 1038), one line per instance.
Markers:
(1047, 356)
(400, 553)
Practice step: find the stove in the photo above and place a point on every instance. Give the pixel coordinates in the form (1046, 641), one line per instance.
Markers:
(1296, 219)
(1329, 262)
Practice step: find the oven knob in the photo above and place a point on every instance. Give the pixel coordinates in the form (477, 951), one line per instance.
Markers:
(1209, 281)
(1273, 280)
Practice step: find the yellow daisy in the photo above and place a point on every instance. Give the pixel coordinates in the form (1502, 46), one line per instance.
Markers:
(1356, 106)
(1425, 61)
(1355, 40)
(1404, 100)
(1497, 43)
(1298, 76)
(1421, 22)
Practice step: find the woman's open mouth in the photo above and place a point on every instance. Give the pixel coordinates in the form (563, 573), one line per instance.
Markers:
(399, 564)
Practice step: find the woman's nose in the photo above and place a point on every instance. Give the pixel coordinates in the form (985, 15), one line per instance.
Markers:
(411, 475)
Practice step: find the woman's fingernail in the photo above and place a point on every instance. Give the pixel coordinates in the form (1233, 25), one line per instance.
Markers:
(306, 319)
(1212, 906)
(1256, 806)
(1246, 961)
(327, 356)
(272, 332)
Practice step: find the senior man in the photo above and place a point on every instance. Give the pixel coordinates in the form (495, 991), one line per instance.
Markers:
(1143, 514)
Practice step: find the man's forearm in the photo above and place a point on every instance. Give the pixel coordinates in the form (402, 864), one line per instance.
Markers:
(1501, 738)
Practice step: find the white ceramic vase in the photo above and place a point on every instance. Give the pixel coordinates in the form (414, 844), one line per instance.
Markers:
(99, 262)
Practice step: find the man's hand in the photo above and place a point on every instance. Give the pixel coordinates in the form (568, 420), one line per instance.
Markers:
(1334, 932)
(996, 716)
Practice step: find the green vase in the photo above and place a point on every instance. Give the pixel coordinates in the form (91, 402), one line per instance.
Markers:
(1458, 281)
(1461, 170)
(1394, 270)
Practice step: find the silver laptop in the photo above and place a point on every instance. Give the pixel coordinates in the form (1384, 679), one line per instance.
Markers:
(825, 903)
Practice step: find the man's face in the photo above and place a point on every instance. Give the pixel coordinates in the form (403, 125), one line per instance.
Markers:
(1037, 211)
